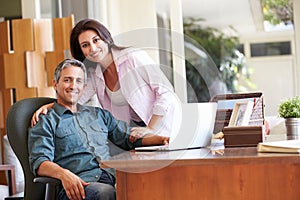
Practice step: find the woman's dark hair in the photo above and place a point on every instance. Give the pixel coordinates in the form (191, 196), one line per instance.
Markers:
(89, 24)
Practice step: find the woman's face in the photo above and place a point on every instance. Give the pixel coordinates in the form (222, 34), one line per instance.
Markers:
(92, 47)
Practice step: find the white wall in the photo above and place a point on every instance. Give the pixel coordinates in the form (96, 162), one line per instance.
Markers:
(273, 75)
(275, 78)
(134, 23)
(31, 9)
(126, 15)
(296, 5)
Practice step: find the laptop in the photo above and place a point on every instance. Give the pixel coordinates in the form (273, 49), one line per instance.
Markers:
(195, 130)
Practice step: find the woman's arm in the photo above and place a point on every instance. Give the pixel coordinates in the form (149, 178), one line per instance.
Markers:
(151, 139)
(155, 122)
(146, 85)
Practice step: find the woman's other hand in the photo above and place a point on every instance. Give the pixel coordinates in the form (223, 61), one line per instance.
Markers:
(139, 132)
(42, 110)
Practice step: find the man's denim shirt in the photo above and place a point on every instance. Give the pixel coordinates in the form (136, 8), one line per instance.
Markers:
(76, 141)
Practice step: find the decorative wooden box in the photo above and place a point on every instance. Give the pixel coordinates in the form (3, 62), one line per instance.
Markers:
(237, 136)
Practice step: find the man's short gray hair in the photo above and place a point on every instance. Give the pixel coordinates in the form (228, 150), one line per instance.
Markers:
(67, 63)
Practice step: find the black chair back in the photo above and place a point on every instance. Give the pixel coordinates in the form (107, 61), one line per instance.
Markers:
(17, 124)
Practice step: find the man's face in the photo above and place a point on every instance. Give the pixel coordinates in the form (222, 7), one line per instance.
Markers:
(70, 86)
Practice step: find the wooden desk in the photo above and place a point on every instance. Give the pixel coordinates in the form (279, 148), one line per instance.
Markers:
(240, 173)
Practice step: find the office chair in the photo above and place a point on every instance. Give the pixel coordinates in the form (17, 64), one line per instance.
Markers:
(17, 124)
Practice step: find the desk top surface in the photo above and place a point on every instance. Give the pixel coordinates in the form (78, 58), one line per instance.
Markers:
(204, 156)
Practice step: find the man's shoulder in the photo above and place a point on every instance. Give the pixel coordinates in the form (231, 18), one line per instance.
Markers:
(95, 109)
(49, 116)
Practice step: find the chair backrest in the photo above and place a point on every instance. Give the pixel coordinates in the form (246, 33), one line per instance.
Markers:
(17, 124)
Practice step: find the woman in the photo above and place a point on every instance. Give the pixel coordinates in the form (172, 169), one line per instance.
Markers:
(126, 80)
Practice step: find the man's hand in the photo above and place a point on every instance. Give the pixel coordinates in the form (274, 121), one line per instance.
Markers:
(73, 185)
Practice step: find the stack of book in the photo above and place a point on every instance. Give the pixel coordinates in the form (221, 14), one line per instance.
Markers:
(284, 146)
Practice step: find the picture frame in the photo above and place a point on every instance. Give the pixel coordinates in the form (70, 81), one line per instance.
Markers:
(241, 113)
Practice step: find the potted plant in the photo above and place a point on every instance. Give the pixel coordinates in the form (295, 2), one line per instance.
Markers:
(289, 109)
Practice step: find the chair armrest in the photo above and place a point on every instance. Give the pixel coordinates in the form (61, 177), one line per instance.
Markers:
(51, 184)
(47, 180)
(11, 178)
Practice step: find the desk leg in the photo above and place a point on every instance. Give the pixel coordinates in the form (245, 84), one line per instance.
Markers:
(121, 186)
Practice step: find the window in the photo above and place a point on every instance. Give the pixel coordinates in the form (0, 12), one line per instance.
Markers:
(270, 49)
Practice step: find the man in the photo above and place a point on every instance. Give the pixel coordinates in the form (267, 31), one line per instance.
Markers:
(70, 140)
